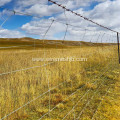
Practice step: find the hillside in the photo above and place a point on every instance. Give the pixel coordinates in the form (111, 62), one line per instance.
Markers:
(21, 43)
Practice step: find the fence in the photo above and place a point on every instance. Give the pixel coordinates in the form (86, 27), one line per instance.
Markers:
(55, 89)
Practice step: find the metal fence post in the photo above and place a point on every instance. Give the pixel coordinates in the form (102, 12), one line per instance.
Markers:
(118, 46)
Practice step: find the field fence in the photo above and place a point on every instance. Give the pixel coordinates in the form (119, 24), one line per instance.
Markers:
(36, 94)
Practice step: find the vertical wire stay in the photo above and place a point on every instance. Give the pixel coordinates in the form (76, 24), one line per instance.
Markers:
(65, 33)
(89, 100)
(6, 116)
(66, 26)
(93, 116)
(63, 51)
(45, 67)
(66, 30)
(85, 18)
(86, 92)
(7, 19)
(97, 49)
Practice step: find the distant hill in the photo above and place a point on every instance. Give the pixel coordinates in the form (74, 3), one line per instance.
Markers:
(30, 42)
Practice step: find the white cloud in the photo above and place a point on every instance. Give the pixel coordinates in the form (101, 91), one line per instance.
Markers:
(40, 27)
(106, 13)
(3, 2)
(5, 33)
(25, 3)
(42, 8)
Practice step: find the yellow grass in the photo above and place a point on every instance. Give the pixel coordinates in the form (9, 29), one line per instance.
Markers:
(18, 88)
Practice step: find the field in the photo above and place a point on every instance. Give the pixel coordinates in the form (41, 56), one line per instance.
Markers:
(57, 90)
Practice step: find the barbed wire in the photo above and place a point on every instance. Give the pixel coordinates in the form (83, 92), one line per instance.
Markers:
(77, 14)
(56, 20)
(65, 82)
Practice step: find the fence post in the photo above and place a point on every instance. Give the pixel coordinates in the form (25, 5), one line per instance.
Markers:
(118, 46)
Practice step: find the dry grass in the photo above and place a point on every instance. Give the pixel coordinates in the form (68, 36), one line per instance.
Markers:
(18, 88)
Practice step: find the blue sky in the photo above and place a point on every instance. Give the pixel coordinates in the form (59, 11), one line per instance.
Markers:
(17, 21)
(27, 26)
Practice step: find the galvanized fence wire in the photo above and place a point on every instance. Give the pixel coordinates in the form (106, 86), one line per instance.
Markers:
(28, 69)
(86, 92)
(31, 101)
(100, 36)
(72, 92)
(55, 62)
(6, 73)
(6, 20)
(88, 102)
(99, 104)
(85, 18)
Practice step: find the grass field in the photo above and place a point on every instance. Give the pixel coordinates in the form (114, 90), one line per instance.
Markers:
(82, 90)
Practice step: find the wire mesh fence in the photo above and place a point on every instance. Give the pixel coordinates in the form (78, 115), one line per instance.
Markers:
(57, 79)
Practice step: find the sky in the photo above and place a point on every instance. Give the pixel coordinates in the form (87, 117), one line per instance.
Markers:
(105, 12)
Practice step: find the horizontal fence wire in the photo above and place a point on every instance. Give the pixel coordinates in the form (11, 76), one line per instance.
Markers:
(77, 14)
(100, 104)
(88, 102)
(26, 69)
(98, 37)
(31, 101)
(70, 94)
(51, 19)
(47, 92)
(85, 93)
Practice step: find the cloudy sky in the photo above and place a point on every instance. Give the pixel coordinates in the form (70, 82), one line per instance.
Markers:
(105, 12)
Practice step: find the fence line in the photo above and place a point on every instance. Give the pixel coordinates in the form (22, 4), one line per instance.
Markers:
(85, 18)
(83, 96)
(31, 101)
(100, 36)
(46, 93)
(73, 92)
(99, 105)
(25, 69)
(86, 106)
(51, 19)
